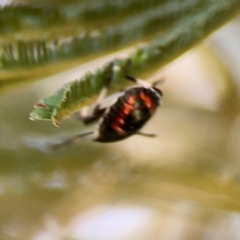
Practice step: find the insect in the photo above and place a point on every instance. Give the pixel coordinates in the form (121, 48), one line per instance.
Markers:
(125, 116)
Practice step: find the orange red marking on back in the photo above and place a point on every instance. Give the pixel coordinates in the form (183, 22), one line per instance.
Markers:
(147, 102)
(119, 120)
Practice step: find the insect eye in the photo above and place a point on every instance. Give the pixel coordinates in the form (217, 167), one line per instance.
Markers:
(158, 91)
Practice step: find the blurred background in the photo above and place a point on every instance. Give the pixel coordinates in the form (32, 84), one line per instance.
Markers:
(182, 185)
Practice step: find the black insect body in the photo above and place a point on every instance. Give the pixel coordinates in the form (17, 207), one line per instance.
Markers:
(128, 114)
(125, 117)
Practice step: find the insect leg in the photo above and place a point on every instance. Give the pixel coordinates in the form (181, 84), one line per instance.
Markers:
(97, 112)
(69, 141)
(89, 118)
(146, 134)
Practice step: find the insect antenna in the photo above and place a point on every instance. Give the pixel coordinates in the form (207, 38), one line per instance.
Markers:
(157, 82)
(138, 81)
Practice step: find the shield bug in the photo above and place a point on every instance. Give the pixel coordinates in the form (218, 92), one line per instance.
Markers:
(125, 116)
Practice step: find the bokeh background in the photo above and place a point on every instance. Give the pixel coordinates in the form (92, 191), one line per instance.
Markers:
(182, 185)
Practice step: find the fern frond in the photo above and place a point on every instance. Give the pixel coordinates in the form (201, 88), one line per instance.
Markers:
(189, 31)
(85, 40)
